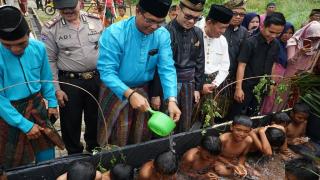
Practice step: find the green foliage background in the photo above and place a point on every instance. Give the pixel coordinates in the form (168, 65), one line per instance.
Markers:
(295, 11)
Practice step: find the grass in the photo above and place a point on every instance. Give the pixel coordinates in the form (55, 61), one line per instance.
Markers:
(295, 11)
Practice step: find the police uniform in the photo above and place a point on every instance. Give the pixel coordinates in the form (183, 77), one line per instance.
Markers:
(73, 54)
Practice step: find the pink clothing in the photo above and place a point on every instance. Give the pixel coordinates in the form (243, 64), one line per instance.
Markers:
(23, 4)
(262, 18)
(269, 104)
(298, 61)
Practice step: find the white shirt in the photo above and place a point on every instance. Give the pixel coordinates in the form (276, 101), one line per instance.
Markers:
(216, 57)
(200, 24)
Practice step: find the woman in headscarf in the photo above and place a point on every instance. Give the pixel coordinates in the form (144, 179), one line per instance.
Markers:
(251, 22)
(302, 57)
(269, 105)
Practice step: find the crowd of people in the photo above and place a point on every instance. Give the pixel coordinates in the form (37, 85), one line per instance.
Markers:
(144, 62)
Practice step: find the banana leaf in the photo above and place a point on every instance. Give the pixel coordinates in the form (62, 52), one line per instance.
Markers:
(313, 104)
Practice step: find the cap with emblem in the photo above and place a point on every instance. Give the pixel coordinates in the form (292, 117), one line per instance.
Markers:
(195, 5)
(220, 14)
(13, 26)
(158, 8)
(61, 4)
(235, 4)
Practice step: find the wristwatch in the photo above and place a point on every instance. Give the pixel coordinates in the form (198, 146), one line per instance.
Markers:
(172, 99)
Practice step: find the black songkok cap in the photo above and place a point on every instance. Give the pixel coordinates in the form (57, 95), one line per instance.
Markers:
(13, 26)
(61, 4)
(314, 11)
(158, 8)
(195, 5)
(235, 4)
(220, 14)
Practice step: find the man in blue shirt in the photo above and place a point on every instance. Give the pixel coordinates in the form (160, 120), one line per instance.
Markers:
(26, 131)
(129, 52)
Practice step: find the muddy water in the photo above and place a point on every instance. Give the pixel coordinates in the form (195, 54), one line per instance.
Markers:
(270, 168)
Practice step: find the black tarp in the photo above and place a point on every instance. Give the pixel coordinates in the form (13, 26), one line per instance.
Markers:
(135, 155)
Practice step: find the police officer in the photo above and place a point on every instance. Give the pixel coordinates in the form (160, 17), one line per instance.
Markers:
(72, 46)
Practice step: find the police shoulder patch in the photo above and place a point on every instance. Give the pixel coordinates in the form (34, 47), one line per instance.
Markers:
(92, 15)
(52, 22)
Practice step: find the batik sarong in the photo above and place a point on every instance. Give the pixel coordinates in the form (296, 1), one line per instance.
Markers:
(121, 125)
(186, 88)
(15, 148)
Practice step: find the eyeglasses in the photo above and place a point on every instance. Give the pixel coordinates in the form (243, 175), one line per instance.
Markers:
(189, 17)
(152, 22)
(239, 14)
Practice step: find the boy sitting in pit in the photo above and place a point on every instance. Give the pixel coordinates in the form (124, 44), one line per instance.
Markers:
(81, 170)
(301, 169)
(267, 138)
(164, 166)
(119, 172)
(235, 146)
(297, 127)
(199, 162)
(282, 119)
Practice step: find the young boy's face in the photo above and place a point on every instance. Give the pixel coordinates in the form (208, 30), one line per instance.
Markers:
(122, 12)
(205, 155)
(299, 117)
(240, 132)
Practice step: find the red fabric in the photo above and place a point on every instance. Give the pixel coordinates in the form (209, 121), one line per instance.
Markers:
(23, 4)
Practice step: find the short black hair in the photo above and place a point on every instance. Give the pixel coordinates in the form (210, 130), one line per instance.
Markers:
(122, 7)
(242, 120)
(173, 8)
(275, 18)
(301, 107)
(275, 136)
(81, 170)
(281, 117)
(121, 172)
(212, 144)
(302, 169)
(271, 4)
(166, 163)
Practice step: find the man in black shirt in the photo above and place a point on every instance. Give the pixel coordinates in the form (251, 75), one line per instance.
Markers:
(188, 54)
(235, 33)
(256, 58)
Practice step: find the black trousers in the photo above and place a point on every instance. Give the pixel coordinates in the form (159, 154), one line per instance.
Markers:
(39, 4)
(247, 107)
(79, 103)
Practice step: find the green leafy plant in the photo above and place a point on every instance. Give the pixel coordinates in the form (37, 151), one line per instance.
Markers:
(308, 84)
(281, 89)
(261, 88)
(113, 160)
(210, 110)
